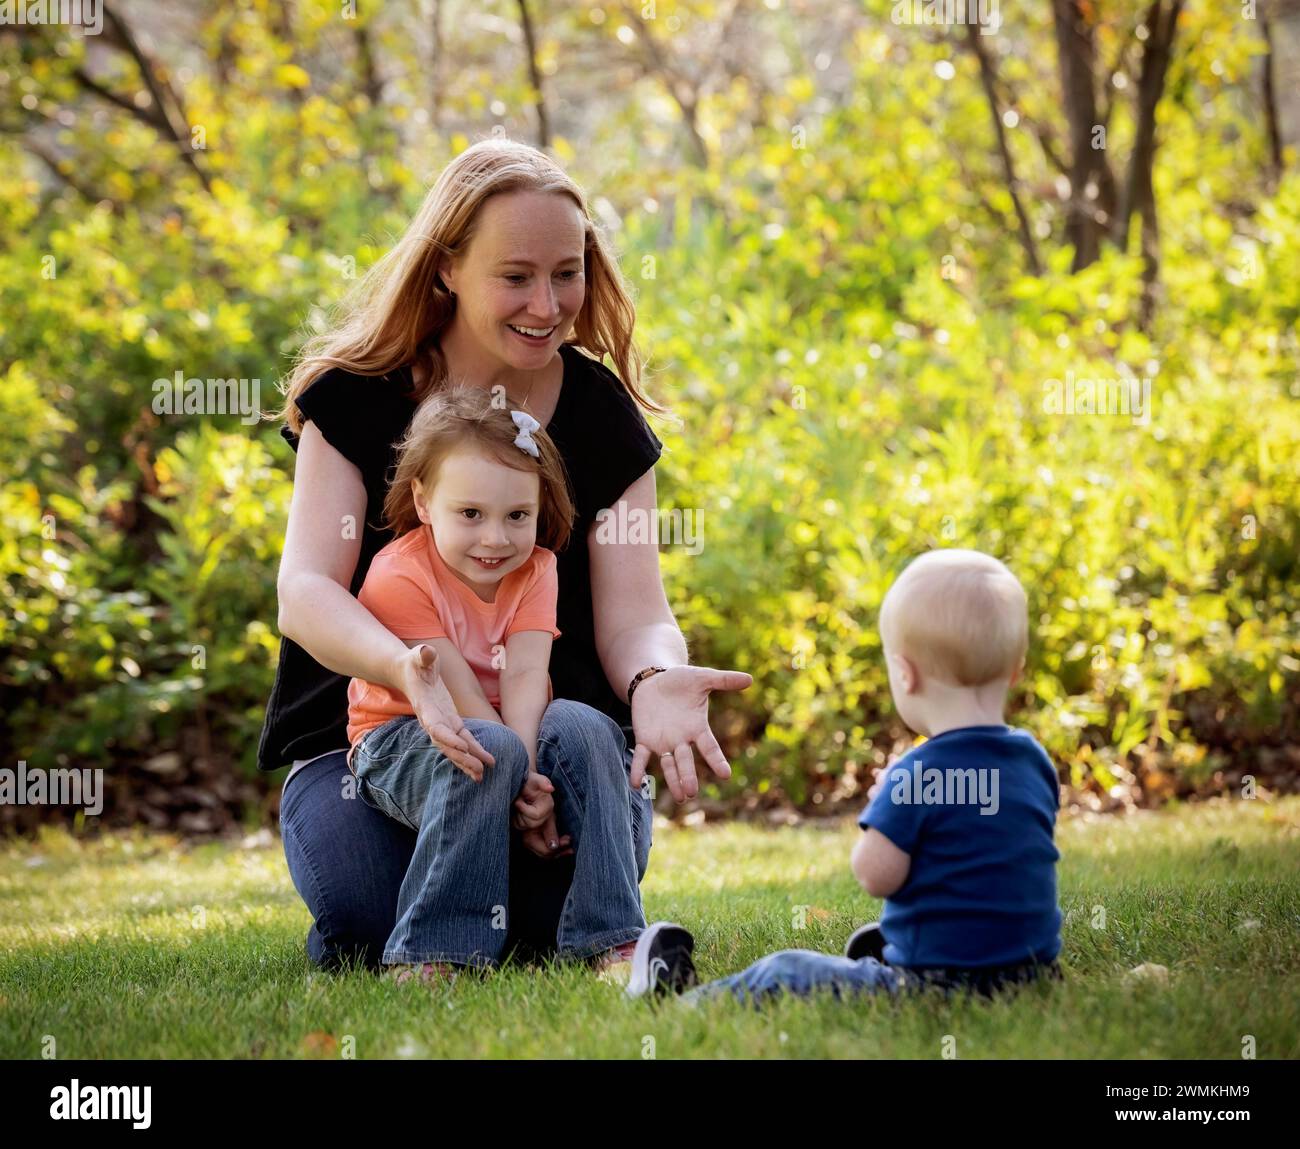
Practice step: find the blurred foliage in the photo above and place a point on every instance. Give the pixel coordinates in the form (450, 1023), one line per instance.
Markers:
(830, 286)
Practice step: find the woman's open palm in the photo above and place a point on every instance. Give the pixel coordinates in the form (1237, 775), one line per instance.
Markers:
(670, 711)
(436, 712)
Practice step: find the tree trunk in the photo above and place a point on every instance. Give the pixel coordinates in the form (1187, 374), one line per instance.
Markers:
(1090, 172)
(1270, 106)
(1139, 189)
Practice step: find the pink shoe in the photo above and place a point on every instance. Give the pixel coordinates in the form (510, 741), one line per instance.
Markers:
(615, 965)
(431, 973)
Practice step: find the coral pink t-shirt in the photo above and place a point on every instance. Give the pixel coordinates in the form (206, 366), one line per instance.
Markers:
(417, 596)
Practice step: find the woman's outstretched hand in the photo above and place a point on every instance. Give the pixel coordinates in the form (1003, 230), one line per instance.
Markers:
(418, 678)
(670, 710)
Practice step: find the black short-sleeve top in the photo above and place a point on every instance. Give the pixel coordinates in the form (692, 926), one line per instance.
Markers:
(606, 445)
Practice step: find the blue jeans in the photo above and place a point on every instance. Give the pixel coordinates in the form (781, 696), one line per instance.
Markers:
(399, 887)
(801, 972)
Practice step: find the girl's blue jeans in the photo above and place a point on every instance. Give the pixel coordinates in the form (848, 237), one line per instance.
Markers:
(412, 861)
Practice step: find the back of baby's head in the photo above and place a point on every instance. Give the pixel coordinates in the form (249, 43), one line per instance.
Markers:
(961, 616)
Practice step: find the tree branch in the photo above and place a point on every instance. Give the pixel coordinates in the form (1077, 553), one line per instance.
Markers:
(435, 65)
(1042, 133)
(58, 169)
(535, 76)
(1271, 127)
(171, 111)
(147, 117)
(656, 63)
(988, 77)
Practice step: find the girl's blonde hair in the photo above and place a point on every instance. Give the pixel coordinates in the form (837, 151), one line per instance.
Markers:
(401, 307)
(464, 417)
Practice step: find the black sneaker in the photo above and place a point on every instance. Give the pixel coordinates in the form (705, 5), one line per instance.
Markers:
(662, 961)
(867, 942)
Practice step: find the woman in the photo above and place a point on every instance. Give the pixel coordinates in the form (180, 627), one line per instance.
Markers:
(502, 281)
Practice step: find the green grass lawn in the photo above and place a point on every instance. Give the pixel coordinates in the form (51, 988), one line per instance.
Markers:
(141, 946)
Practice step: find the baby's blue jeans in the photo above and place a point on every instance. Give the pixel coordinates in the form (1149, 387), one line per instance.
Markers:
(801, 972)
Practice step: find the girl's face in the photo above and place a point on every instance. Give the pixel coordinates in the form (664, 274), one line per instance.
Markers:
(480, 510)
(520, 284)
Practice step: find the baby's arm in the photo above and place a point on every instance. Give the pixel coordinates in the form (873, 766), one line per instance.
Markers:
(880, 867)
(525, 687)
(461, 682)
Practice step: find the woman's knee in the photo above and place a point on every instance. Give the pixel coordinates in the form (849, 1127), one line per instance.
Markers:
(326, 827)
(584, 736)
(349, 926)
(567, 718)
(642, 814)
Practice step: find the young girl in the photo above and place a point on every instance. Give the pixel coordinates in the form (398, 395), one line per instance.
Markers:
(478, 506)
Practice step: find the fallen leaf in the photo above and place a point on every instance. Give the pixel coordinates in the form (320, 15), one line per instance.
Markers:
(1148, 971)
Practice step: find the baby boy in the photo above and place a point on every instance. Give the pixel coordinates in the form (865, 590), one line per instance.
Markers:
(958, 832)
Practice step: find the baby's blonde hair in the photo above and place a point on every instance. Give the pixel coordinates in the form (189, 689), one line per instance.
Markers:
(961, 616)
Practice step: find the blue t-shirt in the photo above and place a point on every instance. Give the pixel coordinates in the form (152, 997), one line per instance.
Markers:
(975, 808)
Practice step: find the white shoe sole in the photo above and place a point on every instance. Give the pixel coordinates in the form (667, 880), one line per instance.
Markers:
(657, 972)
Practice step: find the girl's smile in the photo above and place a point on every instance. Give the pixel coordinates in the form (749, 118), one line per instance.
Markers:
(483, 515)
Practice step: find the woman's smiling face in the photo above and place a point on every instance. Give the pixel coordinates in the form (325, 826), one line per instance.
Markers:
(520, 284)
(480, 509)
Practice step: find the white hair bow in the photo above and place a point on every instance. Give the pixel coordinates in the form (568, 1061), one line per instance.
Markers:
(527, 425)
